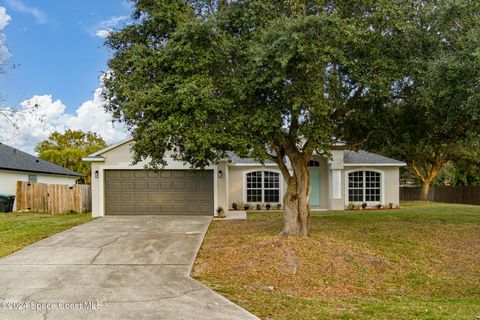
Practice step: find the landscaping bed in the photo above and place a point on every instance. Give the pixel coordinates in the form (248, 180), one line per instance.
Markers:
(18, 230)
(417, 262)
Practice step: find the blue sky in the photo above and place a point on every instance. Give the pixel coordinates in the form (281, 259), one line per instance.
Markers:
(56, 55)
(57, 52)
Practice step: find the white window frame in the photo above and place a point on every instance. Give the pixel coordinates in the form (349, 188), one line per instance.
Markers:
(280, 185)
(382, 186)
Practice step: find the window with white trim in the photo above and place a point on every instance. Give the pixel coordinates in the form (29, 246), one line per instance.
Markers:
(263, 186)
(364, 186)
(32, 178)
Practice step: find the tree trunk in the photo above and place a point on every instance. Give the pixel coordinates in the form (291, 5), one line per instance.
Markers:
(297, 210)
(424, 191)
(428, 175)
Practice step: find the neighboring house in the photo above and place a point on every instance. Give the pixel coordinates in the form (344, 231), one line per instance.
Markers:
(118, 187)
(16, 165)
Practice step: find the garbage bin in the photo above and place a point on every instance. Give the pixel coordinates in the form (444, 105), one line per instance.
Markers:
(6, 202)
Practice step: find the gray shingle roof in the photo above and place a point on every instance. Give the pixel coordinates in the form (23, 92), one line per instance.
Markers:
(237, 160)
(365, 157)
(14, 159)
(350, 157)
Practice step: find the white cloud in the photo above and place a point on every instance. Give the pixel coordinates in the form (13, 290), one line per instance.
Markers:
(18, 6)
(104, 27)
(41, 115)
(102, 33)
(4, 20)
(112, 21)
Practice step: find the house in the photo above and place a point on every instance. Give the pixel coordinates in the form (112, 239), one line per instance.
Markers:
(16, 165)
(118, 187)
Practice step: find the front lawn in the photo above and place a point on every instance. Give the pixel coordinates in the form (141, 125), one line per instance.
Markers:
(418, 262)
(18, 230)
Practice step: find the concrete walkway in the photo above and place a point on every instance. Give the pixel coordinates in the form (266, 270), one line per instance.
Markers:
(132, 267)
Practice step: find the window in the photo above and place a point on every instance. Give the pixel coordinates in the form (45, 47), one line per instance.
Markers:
(271, 186)
(254, 186)
(364, 186)
(32, 178)
(313, 163)
(372, 186)
(263, 186)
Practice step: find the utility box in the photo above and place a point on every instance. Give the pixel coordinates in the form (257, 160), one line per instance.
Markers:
(6, 202)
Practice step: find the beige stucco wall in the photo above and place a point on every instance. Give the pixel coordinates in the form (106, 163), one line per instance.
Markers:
(8, 180)
(97, 193)
(222, 184)
(231, 186)
(56, 179)
(119, 155)
(335, 163)
(120, 158)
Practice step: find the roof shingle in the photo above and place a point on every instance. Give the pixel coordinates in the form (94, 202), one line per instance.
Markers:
(365, 157)
(14, 159)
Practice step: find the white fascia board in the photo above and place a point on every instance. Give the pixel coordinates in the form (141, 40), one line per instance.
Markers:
(256, 164)
(93, 159)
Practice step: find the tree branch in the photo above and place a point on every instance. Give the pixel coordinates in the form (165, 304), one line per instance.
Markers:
(356, 145)
(278, 159)
(307, 151)
(417, 171)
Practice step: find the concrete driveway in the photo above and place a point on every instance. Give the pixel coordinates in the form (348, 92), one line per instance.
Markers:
(129, 267)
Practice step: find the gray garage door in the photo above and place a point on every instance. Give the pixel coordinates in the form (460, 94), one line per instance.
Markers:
(160, 192)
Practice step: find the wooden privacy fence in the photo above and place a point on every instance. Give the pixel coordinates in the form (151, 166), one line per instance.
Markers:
(466, 195)
(53, 198)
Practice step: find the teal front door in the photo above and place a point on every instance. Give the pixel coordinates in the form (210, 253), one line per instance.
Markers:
(314, 186)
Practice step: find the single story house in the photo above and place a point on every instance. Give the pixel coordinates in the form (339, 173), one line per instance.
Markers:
(16, 165)
(118, 187)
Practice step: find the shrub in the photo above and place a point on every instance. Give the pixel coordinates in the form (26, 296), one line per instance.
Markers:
(220, 212)
(234, 206)
(268, 206)
(364, 205)
(279, 206)
(246, 206)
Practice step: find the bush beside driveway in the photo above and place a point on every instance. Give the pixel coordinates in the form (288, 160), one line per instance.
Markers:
(418, 262)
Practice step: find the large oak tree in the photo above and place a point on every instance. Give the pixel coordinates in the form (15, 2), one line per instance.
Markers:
(268, 79)
(434, 116)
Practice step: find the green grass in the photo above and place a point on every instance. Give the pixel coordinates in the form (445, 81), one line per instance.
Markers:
(18, 230)
(418, 262)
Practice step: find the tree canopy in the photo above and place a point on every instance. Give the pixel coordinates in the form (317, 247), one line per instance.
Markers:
(434, 117)
(246, 73)
(67, 149)
(268, 79)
